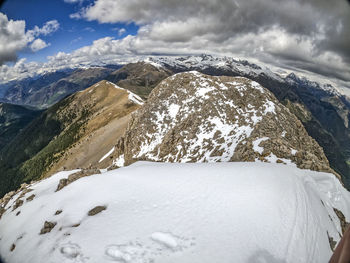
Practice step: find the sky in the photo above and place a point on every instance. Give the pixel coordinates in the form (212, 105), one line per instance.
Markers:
(307, 36)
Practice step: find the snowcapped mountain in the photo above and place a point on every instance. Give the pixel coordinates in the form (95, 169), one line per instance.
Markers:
(323, 111)
(229, 66)
(193, 117)
(190, 213)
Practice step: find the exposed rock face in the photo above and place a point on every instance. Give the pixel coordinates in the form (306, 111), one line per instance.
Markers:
(96, 210)
(48, 226)
(76, 176)
(192, 117)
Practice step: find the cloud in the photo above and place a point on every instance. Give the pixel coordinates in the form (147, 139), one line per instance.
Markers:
(73, 1)
(312, 30)
(48, 28)
(38, 44)
(14, 37)
(90, 29)
(120, 31)
(75, 40)
(300, 35)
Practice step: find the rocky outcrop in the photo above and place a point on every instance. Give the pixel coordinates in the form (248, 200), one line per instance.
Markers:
(192, 117)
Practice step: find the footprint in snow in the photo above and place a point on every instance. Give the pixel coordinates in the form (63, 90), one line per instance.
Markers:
(165, 239)
(127, 253)
(158, 245)
(70, 250)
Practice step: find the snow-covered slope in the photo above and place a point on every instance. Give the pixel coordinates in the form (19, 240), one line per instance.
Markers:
(193, 117)
(188, 213)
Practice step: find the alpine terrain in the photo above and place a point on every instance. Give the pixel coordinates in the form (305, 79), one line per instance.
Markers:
(218, 169)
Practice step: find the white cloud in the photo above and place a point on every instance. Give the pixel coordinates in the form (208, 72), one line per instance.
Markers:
(120, 31)
(73, 1)
(90, 29)
(48, 28)
(38, 44)
(14, 37)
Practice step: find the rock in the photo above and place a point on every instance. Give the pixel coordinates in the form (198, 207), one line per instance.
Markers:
(193, 117)
(48, 226)
(30, 198)
(2, 211)
(13, 246)
(96, 210)
(332, 243)
(73, 177)
(58, 212)
(342, 220)
(17, 204)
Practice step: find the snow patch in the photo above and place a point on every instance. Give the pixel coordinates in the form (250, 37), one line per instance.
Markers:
(132, 96)
(173, 110)
(107, 154)
(120, 161)
(256, 144)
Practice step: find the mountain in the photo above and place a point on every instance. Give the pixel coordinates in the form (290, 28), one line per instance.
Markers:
(165, 212)
(193, 117)
(323, 111)
(50, 88)
(229, 161)
(140, 78)
(13, 119)
(64, 134)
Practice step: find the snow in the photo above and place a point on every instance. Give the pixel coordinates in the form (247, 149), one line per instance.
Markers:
(216, 133)
(107, 154)
(256, 144)
(132, 96)
(188, 213)
(272, 158)
(244, 68)
(119, 161)
(165, 239)
(154, 64)
(173, 110)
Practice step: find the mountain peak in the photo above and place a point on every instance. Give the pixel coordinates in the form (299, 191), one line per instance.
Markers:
(193, 117)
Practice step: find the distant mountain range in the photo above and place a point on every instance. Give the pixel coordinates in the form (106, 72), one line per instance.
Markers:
(323, 111)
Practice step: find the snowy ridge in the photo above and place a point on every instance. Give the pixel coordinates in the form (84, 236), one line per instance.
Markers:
(189, 213)
(231, 65)
(132, 96)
